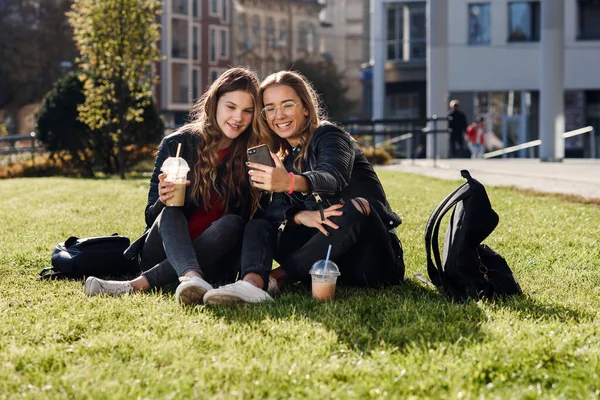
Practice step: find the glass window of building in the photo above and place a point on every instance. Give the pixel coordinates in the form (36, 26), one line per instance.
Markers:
(256, 31)
(479, 24)
(302, 35)
(270, 32)
(179, 7)
(406, 32)
(223, 40)
(195, 10)
(282, 34)
(310, 38)
(588, 19)
(243, 28)
(214, 74)
(524, 21)
(417, 32)
(224, 10)
(214, 7)
(394, 33)
(195, 42)
(213, 45)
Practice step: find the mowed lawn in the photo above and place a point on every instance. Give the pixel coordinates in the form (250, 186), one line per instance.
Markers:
(402, 342)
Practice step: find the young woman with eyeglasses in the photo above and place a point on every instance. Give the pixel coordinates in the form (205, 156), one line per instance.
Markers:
(324, 192)
(200, 243)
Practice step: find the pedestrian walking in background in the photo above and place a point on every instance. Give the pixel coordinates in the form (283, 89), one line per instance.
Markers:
(476, 136)
(457, 123)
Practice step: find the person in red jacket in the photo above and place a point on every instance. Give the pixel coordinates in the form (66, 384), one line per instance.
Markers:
(476, 136)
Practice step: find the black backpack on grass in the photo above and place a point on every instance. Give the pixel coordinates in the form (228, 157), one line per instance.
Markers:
(468, 269)
(98, 256)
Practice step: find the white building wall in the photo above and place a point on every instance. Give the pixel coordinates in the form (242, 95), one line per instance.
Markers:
(503, 65)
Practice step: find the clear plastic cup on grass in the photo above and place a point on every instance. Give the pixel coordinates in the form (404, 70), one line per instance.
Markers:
(324, 279)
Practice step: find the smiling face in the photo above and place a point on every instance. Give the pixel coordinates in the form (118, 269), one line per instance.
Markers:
(286, 121)
(234, 114)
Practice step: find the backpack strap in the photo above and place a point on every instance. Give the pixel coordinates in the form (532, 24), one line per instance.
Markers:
(48, 274)
(435, 270)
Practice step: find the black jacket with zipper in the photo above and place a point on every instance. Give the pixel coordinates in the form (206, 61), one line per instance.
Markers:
(336, 168)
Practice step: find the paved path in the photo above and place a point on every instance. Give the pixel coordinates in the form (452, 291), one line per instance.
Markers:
(579, 177)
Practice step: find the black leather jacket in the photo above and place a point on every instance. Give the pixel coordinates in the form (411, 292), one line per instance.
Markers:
(189, 152)
(336, 168)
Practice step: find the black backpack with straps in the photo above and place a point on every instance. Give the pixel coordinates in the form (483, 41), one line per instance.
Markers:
(468, 269)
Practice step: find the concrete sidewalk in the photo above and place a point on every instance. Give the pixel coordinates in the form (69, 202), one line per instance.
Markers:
(579, 177)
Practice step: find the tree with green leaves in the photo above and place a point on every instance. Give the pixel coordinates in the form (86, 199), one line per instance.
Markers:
(329, 84)
(67, 138)
(118, 42)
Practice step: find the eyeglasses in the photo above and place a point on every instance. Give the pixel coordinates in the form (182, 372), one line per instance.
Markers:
(288, 109)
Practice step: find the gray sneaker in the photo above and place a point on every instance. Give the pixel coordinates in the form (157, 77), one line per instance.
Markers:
(95, 286)
(191, 290)
(238, 292)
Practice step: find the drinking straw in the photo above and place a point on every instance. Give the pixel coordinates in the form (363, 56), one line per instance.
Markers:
(326, 260)
(328, 254)
(179, 164)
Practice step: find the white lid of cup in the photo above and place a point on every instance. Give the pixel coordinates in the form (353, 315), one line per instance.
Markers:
(325, 268)
(175, 163)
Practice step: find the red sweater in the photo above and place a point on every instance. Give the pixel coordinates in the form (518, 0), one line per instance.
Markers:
(202, 219)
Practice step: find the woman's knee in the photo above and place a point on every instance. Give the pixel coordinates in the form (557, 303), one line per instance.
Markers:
(233, 221)
(362, 205)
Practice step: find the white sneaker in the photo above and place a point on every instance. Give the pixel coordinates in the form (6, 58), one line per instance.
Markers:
(273, 287)
(238, 292)
(191, 290)
(95, 286)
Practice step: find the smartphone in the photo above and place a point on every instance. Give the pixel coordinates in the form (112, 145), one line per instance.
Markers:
(260, 155)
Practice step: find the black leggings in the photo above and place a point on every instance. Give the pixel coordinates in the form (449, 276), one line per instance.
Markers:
(169, 252)
(360, 247)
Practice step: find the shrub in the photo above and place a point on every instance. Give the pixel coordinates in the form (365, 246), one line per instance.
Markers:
(377, 156)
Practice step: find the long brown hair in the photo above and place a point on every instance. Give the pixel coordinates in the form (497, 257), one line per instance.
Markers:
(233, 177)
(310, 100)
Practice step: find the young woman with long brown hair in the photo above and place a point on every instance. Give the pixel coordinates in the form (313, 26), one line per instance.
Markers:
(325, 192)
(201, 241)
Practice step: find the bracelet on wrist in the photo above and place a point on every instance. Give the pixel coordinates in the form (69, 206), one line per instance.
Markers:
(292, 182)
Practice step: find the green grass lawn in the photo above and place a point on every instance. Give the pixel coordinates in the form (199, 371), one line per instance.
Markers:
(402, 342)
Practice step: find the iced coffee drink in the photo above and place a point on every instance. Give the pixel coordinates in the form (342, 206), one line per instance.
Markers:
(176, 169)
(324, 279)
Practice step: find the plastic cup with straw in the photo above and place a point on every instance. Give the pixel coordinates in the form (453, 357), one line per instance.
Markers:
(324, 278)
(176, 169)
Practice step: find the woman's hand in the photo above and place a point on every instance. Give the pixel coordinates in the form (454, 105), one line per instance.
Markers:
(165, 189)
(312, 219)
(272, 179)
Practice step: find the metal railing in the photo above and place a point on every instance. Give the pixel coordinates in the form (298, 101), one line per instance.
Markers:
(386, 132)
(12, 147)
(537, 142)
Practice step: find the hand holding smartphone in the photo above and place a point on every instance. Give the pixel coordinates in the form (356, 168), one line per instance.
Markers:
(260, 155)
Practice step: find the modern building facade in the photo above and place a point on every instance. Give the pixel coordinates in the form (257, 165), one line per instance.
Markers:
(345, 41)
(402, 44)
(489, 55)
(270, 34)
(196, 43)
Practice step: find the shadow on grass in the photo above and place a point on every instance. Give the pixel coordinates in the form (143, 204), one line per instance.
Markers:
(397, 316)
(366, 318)
(526, 307)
